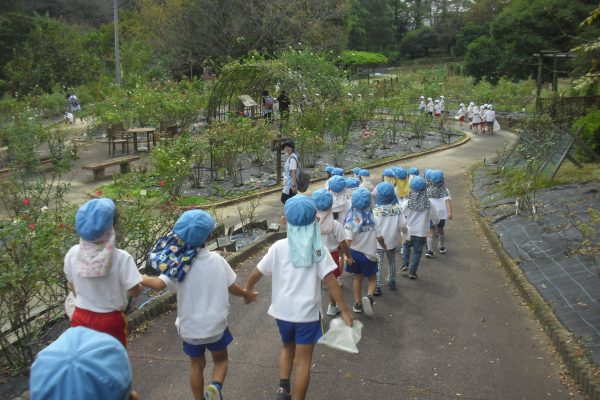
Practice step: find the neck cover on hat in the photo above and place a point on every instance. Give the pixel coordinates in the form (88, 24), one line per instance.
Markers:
(306, 247)
(437, 191)
(418, 201)
(95, 258)
(326, 221)
(360, 217)
(172, 257)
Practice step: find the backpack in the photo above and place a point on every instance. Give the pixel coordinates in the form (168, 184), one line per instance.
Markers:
(268, 102)
(302, 178)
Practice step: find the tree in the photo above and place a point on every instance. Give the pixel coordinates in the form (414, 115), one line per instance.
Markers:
(417, 43)
(481, 59)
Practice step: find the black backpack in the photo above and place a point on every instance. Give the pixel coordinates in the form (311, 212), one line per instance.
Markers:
(302, 178)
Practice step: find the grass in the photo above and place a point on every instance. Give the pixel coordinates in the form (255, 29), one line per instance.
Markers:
(570, 173)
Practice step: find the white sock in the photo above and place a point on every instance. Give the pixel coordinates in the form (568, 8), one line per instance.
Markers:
(429, 243)
(442, 240)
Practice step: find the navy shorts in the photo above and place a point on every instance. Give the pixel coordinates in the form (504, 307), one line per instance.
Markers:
(362, 265)
(300, 332)
(198, 350)
(442, 224)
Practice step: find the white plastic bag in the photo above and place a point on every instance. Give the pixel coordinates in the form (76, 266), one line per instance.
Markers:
(496, 125)
(342, 337)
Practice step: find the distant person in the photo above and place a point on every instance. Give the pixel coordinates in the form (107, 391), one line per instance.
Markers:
(337, 187)
(490, 118)
(290, 172)
(476, 119)
(74, 106)
(98, 274)
(418, 213)
(439, 196)
(267, 103)
(462, 112)
(298, 265)
(365, 179)
(470, 112)
(203, 281)
(430, 106)
(82, 364)
(422, 105)
(437, 109)
(284, 105)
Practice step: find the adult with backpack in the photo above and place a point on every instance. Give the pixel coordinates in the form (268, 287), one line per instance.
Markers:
(290, 171)
(268, 102)
(284, 105)
(74, 105)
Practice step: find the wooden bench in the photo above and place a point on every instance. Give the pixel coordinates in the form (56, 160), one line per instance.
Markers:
(99, 168)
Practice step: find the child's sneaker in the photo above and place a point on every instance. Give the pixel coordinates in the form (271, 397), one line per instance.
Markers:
(377, 291)
(332, 310)
(357, 308)
(429, 254)
(442, 250)
(212, 393)
(367, 305)
(404, 268)
(282, 395)
(392, 285)
(412, 276)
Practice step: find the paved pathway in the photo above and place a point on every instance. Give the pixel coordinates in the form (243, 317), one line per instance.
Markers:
(459, 331)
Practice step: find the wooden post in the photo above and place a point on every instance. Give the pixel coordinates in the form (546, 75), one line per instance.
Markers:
(554, 74)
(278, 150)
(538, 91)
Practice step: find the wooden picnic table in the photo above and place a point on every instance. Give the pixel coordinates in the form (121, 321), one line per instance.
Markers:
(148, 131)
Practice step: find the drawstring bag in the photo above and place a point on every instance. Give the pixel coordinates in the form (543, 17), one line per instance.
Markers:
(172, 257)
(342, 337)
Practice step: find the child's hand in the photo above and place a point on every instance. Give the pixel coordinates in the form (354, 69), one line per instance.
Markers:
(450, 215)
(348, 318)
(349, 260)
(250, 297)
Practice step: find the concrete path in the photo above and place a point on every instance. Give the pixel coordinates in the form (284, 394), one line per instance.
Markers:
(458, 332)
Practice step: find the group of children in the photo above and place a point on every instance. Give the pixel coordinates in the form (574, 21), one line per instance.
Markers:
(480, 119)
(434, 108)
(349, 223)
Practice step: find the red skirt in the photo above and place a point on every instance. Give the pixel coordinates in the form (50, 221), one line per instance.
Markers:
(336, 257)
(113, 323)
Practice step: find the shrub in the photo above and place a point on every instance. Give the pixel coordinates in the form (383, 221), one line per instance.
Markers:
(589, 132)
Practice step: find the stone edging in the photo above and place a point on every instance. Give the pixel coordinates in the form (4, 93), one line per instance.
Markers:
(276, 189)
(163, 303)
(573, 354)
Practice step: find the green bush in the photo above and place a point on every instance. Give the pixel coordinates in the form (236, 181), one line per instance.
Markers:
(350, 58)
(589, 132)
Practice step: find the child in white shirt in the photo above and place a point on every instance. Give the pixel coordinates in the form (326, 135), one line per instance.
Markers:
(388, 220)
(360, 224)
(334, 237)
(365, 181)
(298, 265)
(337, 188)
(203, 281)
(98, 274)
(418, 212)
(439, 196)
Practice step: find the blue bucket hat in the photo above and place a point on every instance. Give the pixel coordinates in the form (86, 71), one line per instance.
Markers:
(436, 176)
(337, 171)
(337, 183)
(386, 194)
(81, 364)
(400, 173)
(427, 174)
(300, 210)
(413, 171)
(361, 199)
(352, 183)
(94, 218)
(323, 199)
(364, 172)
(356, 170)
(417, 184)
(329, 169)
(388, 172)
(194, 227)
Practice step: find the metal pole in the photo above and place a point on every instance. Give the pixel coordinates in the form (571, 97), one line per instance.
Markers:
(117, 51)
(555, 75)
(538, 91)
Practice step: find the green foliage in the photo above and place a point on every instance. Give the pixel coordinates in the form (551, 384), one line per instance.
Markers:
(372, 25)
(350, 58)
(589, 132)
(418, 42)
(589, 82)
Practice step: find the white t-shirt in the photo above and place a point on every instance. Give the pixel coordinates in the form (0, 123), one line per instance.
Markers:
(365, 242)
(389, 227)
(440, 205)
(296, 292)
(290, 165)
(203, 297)
(417, 222)
(105, 293)
(490, 116)
(338, 234)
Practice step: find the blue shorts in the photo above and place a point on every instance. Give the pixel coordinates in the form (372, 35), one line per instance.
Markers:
(362, 265)
(300, 332)
(442, 224)
(197, 350)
